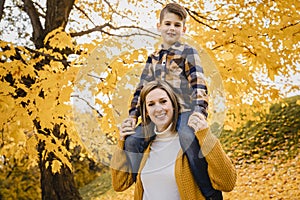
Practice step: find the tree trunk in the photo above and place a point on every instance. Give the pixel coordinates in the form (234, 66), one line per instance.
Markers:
(58, 186)
(57, 15)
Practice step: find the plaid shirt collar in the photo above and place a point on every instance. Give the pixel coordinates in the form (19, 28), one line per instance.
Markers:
(174, 47)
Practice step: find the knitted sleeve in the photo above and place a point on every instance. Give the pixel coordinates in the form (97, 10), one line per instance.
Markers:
(120, 169)
(221, 170)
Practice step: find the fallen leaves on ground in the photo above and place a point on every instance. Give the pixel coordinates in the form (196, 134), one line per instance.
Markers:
(272, 179)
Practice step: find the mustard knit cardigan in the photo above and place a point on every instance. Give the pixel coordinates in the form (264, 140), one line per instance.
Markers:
(220, 169)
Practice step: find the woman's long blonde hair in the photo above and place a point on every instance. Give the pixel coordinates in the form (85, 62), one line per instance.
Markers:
(148, 126)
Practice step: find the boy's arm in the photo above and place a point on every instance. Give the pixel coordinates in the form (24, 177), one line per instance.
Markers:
(195, 76)
(146, 76)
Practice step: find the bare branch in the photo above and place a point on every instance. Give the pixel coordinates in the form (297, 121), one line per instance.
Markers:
(2, 138)
(126, 35)
(118, 113)
(134, 27)
(290, 25)
(234, 42)
(84, 13)
(116, 12)
(102, 27)
(97, 77)
(93, 108)
(253, 53)
(38, 32)
(161, 3)
(222, 45)
(294, 34)
(1, 8)
(193, 14)
(95, 29)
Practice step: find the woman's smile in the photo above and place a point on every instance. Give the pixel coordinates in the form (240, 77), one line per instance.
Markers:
(161, 116)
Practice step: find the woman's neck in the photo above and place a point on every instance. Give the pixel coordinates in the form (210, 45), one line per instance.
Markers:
(164, 131)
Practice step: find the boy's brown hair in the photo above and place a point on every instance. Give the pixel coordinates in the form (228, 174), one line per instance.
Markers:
(173, 8)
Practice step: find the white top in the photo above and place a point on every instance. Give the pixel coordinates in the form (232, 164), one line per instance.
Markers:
(158, 174)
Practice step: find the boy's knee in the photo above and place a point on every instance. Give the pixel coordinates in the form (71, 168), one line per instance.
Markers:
(187, 135)
(130, 141)
(133, 144)
(188, 141)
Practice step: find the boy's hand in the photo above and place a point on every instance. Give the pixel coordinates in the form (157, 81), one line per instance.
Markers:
(131, 121)
(127, 127)
(197, 121)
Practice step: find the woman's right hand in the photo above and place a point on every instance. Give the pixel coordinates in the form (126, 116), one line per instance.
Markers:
(127, 127)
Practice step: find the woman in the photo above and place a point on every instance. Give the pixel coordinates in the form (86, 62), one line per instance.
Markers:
(164, 171)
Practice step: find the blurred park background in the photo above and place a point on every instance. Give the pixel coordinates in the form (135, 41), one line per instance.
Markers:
(68, 68)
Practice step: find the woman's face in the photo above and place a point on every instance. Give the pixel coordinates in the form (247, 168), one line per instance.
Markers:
(159, 108)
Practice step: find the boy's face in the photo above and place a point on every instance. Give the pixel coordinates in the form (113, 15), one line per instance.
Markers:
(171, 29)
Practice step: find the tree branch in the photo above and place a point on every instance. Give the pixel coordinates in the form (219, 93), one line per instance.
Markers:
(133, 27)
(290, 25)
(221, 45)
(116, 12)
(126, 35)
(2, 138)
(94, 76)
(93, 108)
(38, 31)
(84, 13)
(48, 56)
(193, 14)
(1, 8)
(253, 53)
(107, 24)
(159, 2)
(96, 28)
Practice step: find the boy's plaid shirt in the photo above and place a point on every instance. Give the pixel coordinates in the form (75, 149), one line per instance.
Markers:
(180, 67)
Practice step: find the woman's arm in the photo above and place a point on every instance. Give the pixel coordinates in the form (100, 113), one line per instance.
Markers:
(221, 170)
(120, 169)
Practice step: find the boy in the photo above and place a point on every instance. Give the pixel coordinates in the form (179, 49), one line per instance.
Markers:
(179, 65)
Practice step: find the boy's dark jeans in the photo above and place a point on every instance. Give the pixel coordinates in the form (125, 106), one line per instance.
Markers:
(197, 162)
(135, 146)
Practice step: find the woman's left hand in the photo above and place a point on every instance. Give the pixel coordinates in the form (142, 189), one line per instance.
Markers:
(197, 121)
